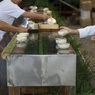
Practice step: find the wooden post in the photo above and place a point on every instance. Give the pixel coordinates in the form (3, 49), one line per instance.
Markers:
(14, 90)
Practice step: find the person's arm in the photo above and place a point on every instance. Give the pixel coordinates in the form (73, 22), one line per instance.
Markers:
(87, 31)
(6, 27)
(83, 32)
(70, 31)
(35, 16)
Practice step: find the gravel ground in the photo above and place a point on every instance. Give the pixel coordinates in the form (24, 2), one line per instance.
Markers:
(87, 49)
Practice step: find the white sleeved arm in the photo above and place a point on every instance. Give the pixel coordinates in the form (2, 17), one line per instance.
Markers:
(87, 31)
(15, 11)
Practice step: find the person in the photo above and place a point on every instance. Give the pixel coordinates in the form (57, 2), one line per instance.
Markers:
(82, 32)
(9, 10)
(6, 27)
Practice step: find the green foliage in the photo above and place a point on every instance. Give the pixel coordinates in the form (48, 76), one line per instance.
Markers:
(40, 43)
(26, 3)
(84, 77)
(60, 19)
(73, 43)
(84, 73)
(41, 3)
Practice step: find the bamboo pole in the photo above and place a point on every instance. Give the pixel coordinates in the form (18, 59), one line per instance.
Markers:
(8, 50)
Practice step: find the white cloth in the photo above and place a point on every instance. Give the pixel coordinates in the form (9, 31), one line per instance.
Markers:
(87, 31)
(8, 12)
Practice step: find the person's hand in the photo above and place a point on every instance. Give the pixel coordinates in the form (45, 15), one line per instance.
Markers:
(11, 34)
(70, 31)
(1, 48)
(93, 38)
(22, 29)
(44, 17)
